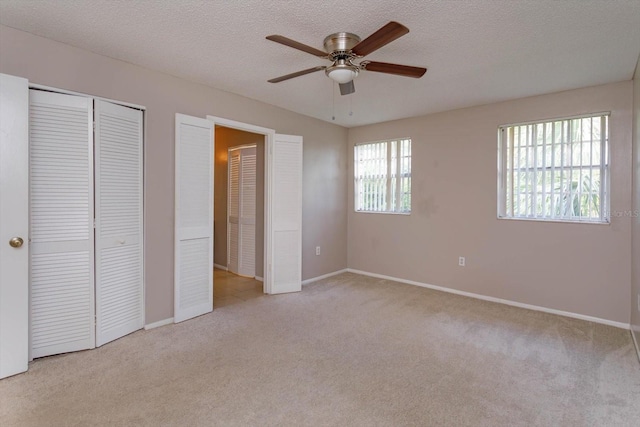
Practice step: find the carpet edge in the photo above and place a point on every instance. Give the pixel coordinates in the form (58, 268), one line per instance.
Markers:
(324, 276)
(607, 322)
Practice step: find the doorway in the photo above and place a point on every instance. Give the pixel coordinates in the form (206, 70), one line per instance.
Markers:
(229, 252)
(194, 212)
(282, 267)
(239, 183)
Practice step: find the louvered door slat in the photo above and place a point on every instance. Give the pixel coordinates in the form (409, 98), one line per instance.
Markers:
(233, 246)
(61, 217)
(247, 232)
(233, 227)
(193, 267)
(286, 238)
(248, 250)
(119, 263)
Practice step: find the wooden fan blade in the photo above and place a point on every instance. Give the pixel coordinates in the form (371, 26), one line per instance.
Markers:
(297, 45)
(383, 36)
(297, 74)
(400, 70)
(347, 88)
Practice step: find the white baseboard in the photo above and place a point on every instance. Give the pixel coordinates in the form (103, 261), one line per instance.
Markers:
(498, 300)
(220, 267)
(259, 279)
(159, 323)
(324, 276)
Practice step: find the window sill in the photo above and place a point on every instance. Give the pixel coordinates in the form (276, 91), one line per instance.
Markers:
(560, 221)
(383, 213)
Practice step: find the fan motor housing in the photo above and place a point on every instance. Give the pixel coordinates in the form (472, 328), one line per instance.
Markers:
(340, 42)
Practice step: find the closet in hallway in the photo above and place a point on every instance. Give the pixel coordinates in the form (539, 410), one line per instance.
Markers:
(239, 202)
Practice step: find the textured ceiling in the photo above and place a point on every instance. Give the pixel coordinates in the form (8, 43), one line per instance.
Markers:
(477, 52)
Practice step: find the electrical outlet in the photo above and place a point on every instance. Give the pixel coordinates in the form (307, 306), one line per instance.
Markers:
(317, 250)
(461, 261)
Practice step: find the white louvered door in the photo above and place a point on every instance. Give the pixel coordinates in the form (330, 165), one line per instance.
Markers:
(118, 203)
(241, 224)
(286, 231)
(61, 222)
(247, 232)
(233, 216)
(193, 268)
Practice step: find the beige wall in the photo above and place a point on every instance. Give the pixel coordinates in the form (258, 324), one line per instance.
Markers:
(46, 62)
(580, 268)
(635, 252)
(227, 138)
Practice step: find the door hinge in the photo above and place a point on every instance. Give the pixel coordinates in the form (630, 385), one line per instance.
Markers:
(94, 126)
(94, 223)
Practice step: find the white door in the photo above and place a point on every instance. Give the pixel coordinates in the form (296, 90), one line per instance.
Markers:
(62, 239)
(193, 268)
(247, 232)
(241, 225)
(14, 225)
(285, 164)
(233, 211)
(118, 203)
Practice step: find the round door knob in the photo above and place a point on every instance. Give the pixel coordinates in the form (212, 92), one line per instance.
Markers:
(16, 242)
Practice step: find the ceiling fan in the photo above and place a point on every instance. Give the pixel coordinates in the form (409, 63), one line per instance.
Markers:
(342, 49)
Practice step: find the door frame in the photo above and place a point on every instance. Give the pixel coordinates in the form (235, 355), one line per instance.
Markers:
(269, 138)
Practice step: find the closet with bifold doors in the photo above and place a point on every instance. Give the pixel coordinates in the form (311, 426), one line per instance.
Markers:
(86, 229)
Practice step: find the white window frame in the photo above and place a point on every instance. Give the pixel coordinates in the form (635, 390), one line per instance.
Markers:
(506, 159)
(388, 178)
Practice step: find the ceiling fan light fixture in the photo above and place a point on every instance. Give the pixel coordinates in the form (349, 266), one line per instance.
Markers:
(342, 72)
(342, 75)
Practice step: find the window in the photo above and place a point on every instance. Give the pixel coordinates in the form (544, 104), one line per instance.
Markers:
(556, 170)
(383, 176)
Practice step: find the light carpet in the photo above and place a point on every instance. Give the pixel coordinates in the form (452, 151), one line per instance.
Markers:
(346, 351)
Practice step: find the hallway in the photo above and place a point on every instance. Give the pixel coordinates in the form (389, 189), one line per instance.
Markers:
(229, 288)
